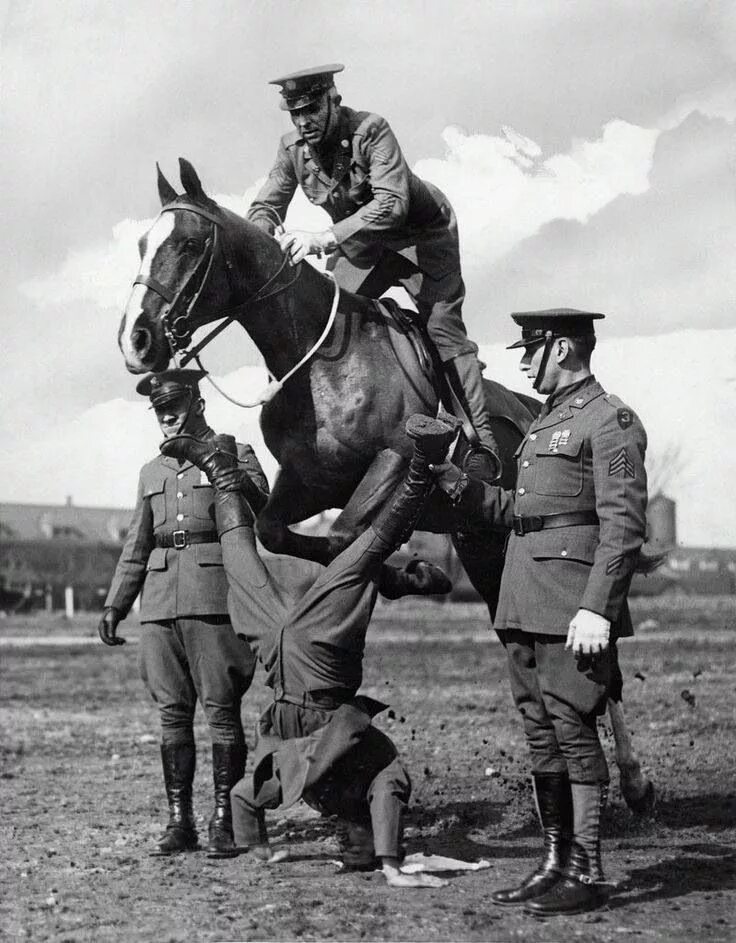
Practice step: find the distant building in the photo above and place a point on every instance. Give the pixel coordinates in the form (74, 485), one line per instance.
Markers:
(46, 548)
(661, 522)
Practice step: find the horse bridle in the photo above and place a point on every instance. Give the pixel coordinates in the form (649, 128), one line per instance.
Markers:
(177, 325)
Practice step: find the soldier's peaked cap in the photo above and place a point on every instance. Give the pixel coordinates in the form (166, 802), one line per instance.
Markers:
(300, 89)
(169, 385)
(562, 322)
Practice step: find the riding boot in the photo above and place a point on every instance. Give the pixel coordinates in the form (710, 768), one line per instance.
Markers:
(483, 460)
(217, 457)
(356, 846)
(432, 438)
(582, 885)
(417, 578)
(179, 761)
(228, 768)
(554, 807)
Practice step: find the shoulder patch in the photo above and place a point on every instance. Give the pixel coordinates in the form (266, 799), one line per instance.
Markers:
(625, 417)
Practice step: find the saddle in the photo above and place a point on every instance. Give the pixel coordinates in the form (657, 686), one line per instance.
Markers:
(419, 359)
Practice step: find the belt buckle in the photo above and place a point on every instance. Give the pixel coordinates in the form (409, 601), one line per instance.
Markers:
(519, 526)
(180, 539)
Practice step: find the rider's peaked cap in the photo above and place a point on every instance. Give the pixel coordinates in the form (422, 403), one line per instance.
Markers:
(562, 322)
(169, 385)
(302, 88)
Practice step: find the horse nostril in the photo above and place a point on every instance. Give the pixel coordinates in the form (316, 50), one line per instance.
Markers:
(141, 340)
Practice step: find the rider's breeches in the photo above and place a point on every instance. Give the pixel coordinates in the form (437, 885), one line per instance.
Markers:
(438, 300)
(185, 660)
(559, 697)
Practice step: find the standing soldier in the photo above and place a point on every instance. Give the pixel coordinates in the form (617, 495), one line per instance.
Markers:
(578, 522)
(389, 226)
(189, 649)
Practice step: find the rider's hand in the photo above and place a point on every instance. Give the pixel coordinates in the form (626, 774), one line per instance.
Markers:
(450, 479)
(108, 627)
(299, 244)
(588, 633)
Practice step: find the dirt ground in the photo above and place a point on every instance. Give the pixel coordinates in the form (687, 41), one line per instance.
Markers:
(83, 802)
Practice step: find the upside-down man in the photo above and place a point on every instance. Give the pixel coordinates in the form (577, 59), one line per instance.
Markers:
(307, 625)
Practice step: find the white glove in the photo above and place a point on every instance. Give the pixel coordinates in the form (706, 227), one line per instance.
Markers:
(588, 633)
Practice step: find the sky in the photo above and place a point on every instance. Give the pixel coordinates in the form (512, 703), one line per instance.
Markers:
(588, 149)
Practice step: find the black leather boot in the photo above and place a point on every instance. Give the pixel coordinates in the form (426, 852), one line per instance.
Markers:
(228, 768)
(417, 578)
(432, 438)
(483, 460)
(582, 886)
(179, 761)
(554, 806)
(217, 457)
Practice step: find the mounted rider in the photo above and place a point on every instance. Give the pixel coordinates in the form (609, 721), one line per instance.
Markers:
(389, 227)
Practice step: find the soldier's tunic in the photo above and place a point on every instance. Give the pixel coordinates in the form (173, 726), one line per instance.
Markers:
(391, 227)
(307, 625)
(188, 647)
(585, 452)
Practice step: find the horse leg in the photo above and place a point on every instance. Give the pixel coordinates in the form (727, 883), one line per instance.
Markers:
(289, 503)
(637, 790)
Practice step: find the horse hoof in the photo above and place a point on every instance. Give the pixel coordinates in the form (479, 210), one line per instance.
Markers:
(642, 805)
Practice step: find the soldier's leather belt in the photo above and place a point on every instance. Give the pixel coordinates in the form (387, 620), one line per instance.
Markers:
(321, 702)
(179, 539)
(528, 525)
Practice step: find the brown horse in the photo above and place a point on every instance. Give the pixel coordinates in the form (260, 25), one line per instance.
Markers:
(336, 426)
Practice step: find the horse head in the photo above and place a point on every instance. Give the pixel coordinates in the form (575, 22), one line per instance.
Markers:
(186, 277)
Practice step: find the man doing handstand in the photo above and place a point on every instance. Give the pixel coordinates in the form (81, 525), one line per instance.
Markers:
(307, 625)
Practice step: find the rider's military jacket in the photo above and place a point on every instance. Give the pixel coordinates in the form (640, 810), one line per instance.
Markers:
(372, 197)
(174, 503)
(586, 453)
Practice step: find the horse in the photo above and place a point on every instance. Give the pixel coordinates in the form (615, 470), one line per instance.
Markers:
(344, 385)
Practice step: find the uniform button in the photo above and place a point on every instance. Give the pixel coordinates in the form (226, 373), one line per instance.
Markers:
(563, 553)
(533, 437)
(521, 491)
(578, 402)
(180, 494)
(180, 475)
(180, 517)
(525, 463)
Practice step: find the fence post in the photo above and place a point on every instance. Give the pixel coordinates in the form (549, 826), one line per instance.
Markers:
(69, 602)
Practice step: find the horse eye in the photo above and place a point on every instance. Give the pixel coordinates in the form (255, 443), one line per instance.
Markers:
(192, 245)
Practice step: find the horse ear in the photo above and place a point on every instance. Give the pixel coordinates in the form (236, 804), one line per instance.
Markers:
(190, 180)
(165, 190)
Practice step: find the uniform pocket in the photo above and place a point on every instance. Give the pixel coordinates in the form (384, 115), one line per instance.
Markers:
(203, 502)
(558, 545)
(157, 559)
(560, 472)
(156, 494)
(208, 554)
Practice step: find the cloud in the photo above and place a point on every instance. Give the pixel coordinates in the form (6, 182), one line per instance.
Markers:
(503, 190)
